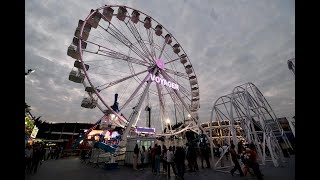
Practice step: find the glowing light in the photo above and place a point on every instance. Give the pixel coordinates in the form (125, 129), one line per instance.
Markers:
(81, 141)
(168, 121)
(189, 116)
(112, 116)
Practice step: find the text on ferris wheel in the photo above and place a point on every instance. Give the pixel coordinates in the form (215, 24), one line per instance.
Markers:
(164, 82)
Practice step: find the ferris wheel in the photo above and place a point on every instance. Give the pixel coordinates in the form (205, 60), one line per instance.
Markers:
(129, 63)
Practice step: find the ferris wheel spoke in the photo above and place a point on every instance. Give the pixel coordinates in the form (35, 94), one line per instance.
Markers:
(162, 49)
(138, 37)
(116, 44)
(185, 105)
(162, 105)
(166, 76)
(151, 43)
(113, 31)
(159, 89)
(173, 96)
(172, 60)
(116, 55)
(135, 92)
(180, 74)
(181, 88)
(120, 80)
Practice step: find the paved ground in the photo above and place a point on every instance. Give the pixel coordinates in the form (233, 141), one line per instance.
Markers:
(68, 169)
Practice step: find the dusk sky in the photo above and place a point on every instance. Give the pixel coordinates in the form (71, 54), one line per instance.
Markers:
(228, 42)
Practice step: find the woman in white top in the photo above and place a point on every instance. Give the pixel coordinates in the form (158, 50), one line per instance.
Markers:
(170, 161)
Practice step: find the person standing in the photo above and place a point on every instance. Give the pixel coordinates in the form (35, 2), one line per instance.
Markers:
(36, 158)
(164, 158)
(179, 157)
(135, 157)
(170, 161)
(153, 155)
(204, 151)
(234, 158)
(157, 159)
(143, 156)
(225, 149)
(28, 158)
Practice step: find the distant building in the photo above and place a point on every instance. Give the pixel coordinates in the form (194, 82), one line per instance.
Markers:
(61, 133)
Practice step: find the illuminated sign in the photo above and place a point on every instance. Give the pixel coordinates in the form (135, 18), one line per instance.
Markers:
(160, 80)
(164, 82)
(145, 130)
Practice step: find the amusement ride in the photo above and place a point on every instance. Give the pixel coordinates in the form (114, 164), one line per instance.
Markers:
(134, 71)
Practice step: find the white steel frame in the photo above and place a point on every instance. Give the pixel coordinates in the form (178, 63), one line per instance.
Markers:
(247, 105)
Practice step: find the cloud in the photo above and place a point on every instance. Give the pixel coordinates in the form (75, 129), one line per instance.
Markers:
(227, 43)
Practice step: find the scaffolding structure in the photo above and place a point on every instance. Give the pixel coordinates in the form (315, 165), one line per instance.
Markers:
(248, 108)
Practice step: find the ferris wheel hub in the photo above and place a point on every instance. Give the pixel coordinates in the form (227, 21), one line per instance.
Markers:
(160, 64)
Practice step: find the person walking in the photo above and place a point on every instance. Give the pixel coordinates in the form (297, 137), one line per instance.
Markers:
(252, 161)
(234, 158)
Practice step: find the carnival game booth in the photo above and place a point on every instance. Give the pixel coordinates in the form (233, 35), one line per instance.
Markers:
(143, 136)
(103, 144)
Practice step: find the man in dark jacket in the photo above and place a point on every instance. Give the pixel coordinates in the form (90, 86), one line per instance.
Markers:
(179, 157)
(36, 158)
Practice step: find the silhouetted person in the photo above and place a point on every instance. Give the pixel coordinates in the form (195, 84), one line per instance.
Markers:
(204, 150)
(135, 157)
(157, 159)
(36, 158)
(153, 155)
(164, 157)
(143, 154)
(234, 158)
(28, 158)
(180, 156)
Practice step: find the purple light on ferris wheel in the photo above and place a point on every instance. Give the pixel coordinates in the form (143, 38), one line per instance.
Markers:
(160, 64)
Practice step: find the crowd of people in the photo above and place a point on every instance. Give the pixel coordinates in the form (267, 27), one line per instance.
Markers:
(248, 157)
(171, 158)
(175, 157)
(37, 153)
